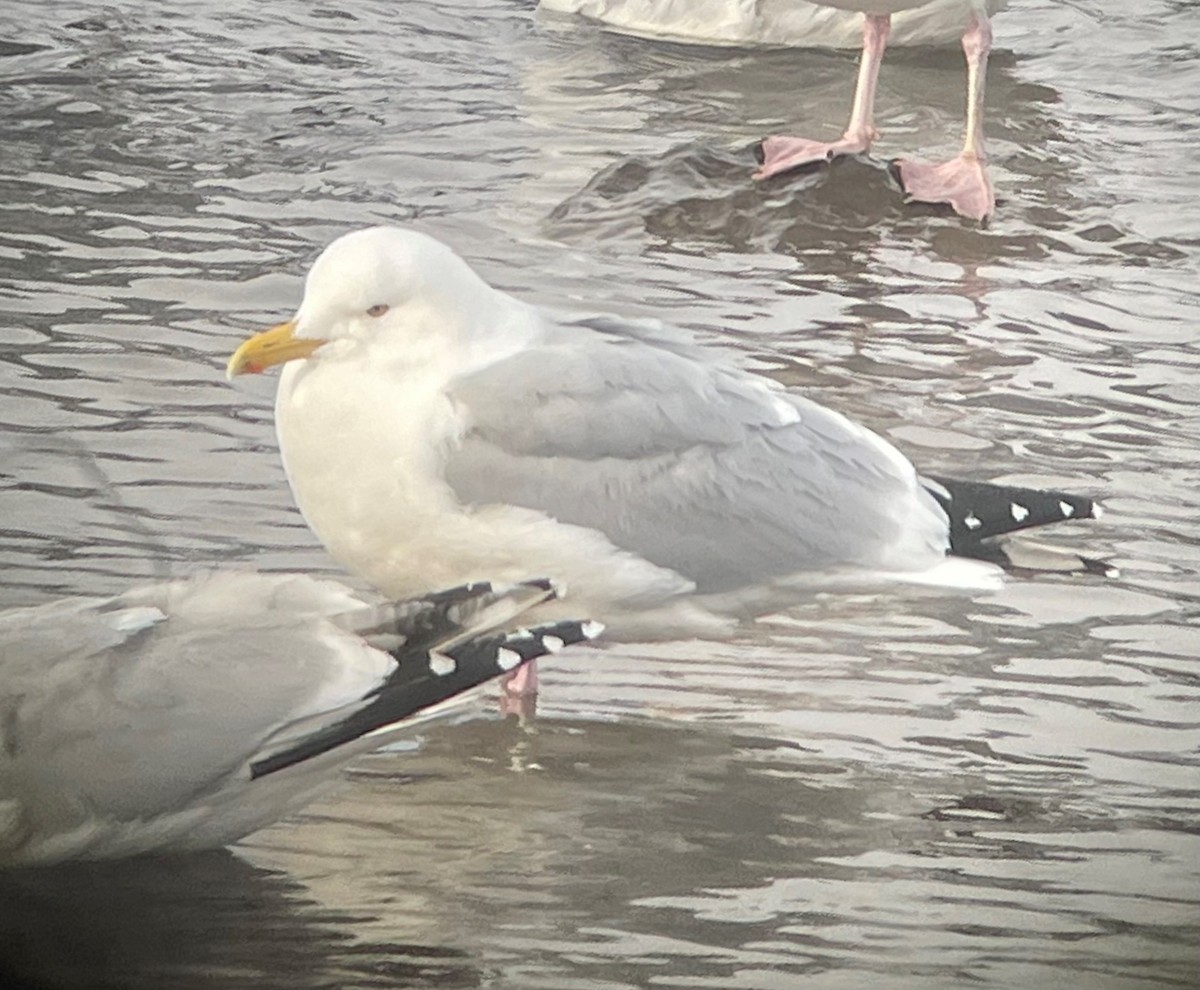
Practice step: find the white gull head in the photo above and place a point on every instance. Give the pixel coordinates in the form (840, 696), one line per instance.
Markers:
(385, 282)
(394, 296)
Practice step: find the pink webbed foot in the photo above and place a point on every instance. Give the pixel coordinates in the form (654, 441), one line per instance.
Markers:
(519, 691)
(961, 182)
(782, 154)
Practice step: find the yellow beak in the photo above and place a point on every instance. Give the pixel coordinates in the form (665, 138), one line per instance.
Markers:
(268, 348)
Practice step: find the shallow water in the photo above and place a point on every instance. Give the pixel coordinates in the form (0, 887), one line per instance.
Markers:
(916, 793)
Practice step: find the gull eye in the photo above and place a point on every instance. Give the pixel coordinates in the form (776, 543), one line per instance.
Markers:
(378, 309)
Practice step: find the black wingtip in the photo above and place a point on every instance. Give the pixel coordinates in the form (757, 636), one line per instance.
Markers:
(459, 593)
(419, 683)
(475, 589)
(979, 511)
(509, 650)
(419, 624)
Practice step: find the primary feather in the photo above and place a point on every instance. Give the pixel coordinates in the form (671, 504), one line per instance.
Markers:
(189, 713)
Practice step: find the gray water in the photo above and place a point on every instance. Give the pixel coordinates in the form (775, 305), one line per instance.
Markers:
(872, 791)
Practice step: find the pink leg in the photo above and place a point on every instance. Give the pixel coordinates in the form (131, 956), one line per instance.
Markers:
(783, 153)
(519, 691)
(962, 181)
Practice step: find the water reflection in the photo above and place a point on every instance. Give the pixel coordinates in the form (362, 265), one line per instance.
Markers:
(628, 853)
(636, 853)
(206, 920)
(888, 790)
(757, 92)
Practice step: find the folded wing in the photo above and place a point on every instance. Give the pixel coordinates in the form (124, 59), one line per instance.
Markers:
(621, 427)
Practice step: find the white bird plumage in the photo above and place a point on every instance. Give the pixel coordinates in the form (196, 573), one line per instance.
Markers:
(789, 23)
(436, 419)
(186, 714)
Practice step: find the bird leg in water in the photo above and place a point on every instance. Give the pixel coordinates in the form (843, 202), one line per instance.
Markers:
(782, 154)
(962, 182)
(519, 691)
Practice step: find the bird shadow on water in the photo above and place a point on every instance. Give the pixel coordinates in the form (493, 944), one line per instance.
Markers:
(704, 196)
(701, 195)
(202, 920)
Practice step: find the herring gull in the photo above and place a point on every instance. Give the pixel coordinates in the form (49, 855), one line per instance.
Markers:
(187, 714)
(425, 416)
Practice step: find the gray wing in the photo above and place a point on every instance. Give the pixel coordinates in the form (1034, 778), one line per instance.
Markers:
(631, 430)
(137, 705)
(171, 698)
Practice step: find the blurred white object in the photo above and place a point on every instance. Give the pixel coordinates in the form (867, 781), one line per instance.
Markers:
(785, 23)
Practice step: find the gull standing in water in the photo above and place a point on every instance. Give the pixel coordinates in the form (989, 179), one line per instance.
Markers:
(427, 418)
(962, 182)
(186, 714)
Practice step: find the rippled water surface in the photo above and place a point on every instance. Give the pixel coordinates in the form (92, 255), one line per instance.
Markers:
(869, 791)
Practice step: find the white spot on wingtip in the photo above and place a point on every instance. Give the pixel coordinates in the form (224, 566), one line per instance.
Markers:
(552, 644)
(592, 629)
(132, 620)
(972, 521)
(1067, 509)
(507, 659)
(1097, 510)
(1019, 512)
(441, 664)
